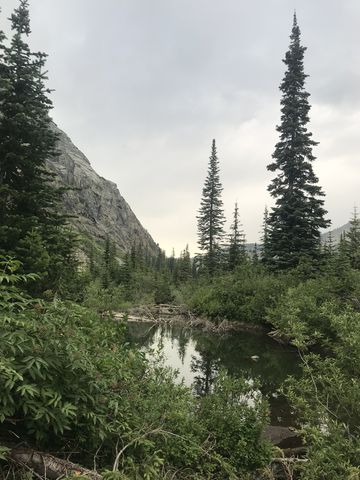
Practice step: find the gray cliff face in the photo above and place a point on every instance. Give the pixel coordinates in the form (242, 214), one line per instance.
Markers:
(99, 208)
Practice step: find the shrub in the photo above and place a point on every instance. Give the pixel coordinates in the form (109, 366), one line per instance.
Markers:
(70, 382)
(244, 295)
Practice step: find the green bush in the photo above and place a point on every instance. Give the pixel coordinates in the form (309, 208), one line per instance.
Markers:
(327, 401)
(244, 295)
(301, 313)
(69, 382)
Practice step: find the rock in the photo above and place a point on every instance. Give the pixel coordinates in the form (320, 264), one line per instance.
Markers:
(283, 437)
(97, 204)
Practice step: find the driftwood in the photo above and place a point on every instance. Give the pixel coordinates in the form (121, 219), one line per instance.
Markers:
(165, 314)
(48, 466)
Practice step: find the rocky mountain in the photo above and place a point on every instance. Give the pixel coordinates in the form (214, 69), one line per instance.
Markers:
(336, 233)
(96, 203)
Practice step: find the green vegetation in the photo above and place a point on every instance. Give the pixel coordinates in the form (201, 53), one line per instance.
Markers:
(70, 382)
(211, 217)
(31, 227)
(295, 221)
(237, 254)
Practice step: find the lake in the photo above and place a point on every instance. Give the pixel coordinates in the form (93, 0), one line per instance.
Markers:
(198, 356)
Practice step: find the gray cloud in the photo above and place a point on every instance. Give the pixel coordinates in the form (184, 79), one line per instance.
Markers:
(142, 88)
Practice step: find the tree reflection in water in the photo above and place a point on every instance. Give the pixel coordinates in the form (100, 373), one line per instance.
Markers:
(199, 356)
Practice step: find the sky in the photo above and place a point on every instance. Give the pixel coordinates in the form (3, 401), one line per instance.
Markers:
(143, 86)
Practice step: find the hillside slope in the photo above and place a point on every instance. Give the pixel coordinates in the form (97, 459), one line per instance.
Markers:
(99, 208)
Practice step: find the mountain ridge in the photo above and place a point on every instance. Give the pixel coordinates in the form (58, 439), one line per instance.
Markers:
(95, 202)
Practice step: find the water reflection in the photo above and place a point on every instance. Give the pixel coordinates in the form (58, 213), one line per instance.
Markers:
(198, 356)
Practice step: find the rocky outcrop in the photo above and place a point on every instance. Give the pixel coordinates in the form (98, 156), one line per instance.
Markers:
(96, 203)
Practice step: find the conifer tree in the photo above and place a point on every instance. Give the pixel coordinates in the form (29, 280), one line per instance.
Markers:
(295, 221)
(28, 199)
(352, 241)
(183, 270)
(330, 253)
(126, 275)
(109, 263)
(211, 216)
(265, 237)
(171, 262)
(329, 247)
(160, 263)
(237, 241)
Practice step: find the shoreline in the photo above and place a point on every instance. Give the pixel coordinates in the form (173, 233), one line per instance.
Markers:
(179, 315)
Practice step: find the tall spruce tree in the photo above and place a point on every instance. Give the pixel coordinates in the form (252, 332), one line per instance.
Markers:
(294, 223)
(29, 202)
(211, 216)
(237, 241)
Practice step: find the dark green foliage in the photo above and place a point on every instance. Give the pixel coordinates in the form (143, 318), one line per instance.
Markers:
(211, 217)
(255, 255)
(298, 315)
(29, 202)
(223, 413)
(160, 263)
(244, 295)
(109, 270)
(70, 381)
(183, 267)
(351, 241)
(33, 252)
(237, 253)
(265, 253)
(327, 401)
(294, 223)
(163, 292)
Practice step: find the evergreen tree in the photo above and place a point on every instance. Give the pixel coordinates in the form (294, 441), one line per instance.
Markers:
(133, 256)
(109, 263)
(4, 71)
(171, 262)
(237, 241)
(28, 199)
(255, 255)
(35, 258)
(183, 271)
(295, 221)
(160, 263)
(265, 256)
(352, 241)
(211, 216)
(126, 275)
(329, 246)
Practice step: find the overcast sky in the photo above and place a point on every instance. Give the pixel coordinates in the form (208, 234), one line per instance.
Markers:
(143, 86)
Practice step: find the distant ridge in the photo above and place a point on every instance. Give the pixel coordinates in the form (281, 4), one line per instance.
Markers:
(336, 233)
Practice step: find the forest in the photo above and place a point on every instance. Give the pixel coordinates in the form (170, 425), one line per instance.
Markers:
(77, 400)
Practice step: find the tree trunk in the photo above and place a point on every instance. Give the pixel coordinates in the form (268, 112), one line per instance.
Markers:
(48, 466)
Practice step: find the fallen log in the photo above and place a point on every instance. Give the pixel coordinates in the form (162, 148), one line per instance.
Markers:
(48, 466)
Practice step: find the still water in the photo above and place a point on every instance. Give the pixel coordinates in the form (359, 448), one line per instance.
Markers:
(198, 356)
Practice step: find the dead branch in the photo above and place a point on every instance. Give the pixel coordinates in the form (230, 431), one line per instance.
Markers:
(48, 466)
